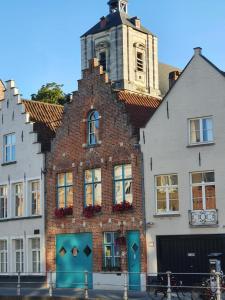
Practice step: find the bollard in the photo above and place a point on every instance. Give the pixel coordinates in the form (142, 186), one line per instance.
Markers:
(168, 285)
(218, 286)
(86, 285)
(125, 294)
(50, 284)
(18, 285)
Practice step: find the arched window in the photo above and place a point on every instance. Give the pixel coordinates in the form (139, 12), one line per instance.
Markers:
(93, 128)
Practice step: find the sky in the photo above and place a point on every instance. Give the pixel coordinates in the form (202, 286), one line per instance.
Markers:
(40, 39)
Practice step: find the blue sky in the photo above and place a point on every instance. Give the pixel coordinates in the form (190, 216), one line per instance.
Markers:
(40, 38)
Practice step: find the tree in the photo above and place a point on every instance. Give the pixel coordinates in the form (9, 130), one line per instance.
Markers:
(51, 93)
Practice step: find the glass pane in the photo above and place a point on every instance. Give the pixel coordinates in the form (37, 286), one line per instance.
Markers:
(197, 198)
(35, 186)
(173, 200)
(13, 153)
(127, 171)
(208, 177)
(118, 192)
(89, 194)
(8, 158)
(108, 251)
(128, 190)
(108, 237)
(207, 127)
(195, 131)
(98, 194)
(210, 197)
(117, 172)
(61, 179)
(97, 175)
(161, 200)
(61, 197)
(69, 178)
(173, 179)
(88, 176)
(161, 180)
(196, 177)
(69, 196)
(13, 139)
(116, 250)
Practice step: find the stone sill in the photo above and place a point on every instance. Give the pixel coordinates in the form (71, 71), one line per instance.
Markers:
(166, 215)
(9, 163)
(204, 226)
(20, 218)
(200, 144)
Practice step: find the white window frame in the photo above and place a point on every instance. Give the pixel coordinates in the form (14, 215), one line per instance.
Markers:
(200, 119)
(21, 255)
(202, 184)
(37, 196)
(4, 252)
(168, 211)
(21, 198)
(38, 255)
(5, 146)
(4, 198)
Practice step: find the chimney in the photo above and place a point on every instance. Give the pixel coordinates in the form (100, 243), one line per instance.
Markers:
(197, 50)
(103, 22)
(136, 21)
(173, 76)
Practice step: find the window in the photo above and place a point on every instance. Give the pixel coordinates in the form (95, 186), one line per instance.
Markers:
(3, 256)
(123, 184)
(203, 190)
(19, 255)
(140, 61)
(102, 60)
(93, 187)
(93, 128)
(35, 255)
(18, 189)
(167, 193)
(9, 147)
(201, 130)
(35, 197)
(65, 190)
(111, 251)
(3, 202)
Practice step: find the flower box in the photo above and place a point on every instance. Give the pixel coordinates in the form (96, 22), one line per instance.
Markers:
(63, 211)
(121, 241)
(91, 210)
(125, 206)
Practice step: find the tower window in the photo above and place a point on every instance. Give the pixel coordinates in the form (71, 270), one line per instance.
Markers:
(93, 128)
(140, 62)
(102, 60)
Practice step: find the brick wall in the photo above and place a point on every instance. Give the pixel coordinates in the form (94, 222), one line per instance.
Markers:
(69, 153)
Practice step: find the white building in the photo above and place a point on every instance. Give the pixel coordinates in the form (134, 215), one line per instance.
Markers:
(26, 128)
(184, 157)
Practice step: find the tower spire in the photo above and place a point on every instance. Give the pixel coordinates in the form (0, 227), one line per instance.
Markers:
(117, 5)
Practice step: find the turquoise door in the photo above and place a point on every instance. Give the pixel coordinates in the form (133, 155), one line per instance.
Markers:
(134, 266)
(73, 257)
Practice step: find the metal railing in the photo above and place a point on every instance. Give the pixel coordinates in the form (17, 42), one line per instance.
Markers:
(208, 286)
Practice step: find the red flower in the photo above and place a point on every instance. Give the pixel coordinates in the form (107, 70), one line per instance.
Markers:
(63, 211)
(122, 206)
(90, 210)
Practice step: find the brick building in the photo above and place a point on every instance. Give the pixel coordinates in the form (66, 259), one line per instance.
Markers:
(95, 207)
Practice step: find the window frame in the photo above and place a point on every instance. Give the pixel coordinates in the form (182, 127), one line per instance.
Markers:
(105, 61)
(21, 255)
(4, 198)
(112, 244)
(200, 119)
(21, 199)
(4, 253)
(11, 146)
(92, 128)
(123, 180)
(92, 183)
(166, 187)
(65, 186)
(37, 194)
(203, 185)
(36, 250)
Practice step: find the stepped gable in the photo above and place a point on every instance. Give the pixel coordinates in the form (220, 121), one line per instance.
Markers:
(46, 117)
(140, 107)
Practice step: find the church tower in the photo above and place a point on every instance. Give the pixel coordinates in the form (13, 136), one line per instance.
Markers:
(127, 51)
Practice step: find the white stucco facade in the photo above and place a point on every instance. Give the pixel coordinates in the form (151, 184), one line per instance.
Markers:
(22, 242)
(165, 142)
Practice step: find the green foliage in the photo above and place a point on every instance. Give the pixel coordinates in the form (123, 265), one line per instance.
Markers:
(51, 93)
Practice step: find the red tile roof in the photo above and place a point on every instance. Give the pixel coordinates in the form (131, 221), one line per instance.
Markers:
(140, 107)
(46, 117)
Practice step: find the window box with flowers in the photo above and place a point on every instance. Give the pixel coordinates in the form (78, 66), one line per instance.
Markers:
(63, 211)
(91, 210)
(125, 206)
